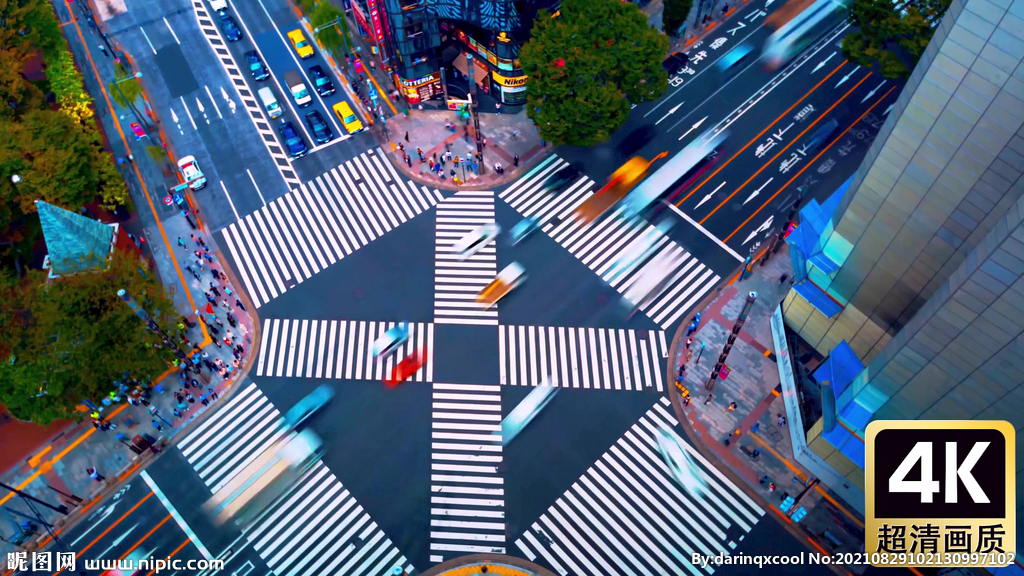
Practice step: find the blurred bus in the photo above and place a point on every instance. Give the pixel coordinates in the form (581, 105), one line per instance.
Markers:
(619, 184)
(802, 29)
(650, 282)
(266, 479)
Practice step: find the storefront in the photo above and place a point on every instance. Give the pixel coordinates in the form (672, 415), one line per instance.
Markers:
(371, 26)
(512, 89)
(421, 89)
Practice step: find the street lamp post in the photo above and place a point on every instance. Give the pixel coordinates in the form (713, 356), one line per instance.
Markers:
(474, 110)
(130, 104)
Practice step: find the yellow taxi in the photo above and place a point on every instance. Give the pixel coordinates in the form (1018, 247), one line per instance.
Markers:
(506, 281)
(298, 40)
(347, 117)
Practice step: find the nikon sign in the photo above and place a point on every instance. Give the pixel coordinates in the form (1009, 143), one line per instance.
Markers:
(509, 81)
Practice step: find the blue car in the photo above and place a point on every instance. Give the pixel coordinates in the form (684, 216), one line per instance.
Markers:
(734, 57)
(230, 28)
(521, 230)
(256, 66)
(296, 145)
(308, 406)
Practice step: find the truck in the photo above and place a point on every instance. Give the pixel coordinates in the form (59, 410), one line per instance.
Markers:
(298, 88)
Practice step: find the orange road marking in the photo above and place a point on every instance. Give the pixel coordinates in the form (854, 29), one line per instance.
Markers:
(34, 460)
(143, 539)
(818, 546)
(815, 159)
(107, 531)
(758, 137)
(786, 147)
(171, 555)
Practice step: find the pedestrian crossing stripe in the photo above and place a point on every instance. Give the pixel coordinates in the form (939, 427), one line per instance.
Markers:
(605, 246)
(315, 528)
(337, 349)
(458, 282)
(582, 357)
(467, 493)
(307, 230)
(627, 516)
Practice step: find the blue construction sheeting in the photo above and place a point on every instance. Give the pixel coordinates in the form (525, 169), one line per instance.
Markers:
(817, 298)
(851, 446)
(840, 368)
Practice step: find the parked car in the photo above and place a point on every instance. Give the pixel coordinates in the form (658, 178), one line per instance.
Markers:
(230, 28)
(321, 81)
(321, 131)
(256, 66)
(191, 173)
(675, 63)
(296, 145)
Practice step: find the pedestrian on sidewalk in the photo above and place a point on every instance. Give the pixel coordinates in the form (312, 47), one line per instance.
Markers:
(764, 479)
(130, 158)
(203, 400)
(215, 273)
(95, 475)
(515, 161)
(213, 392)
(227, 291)
(754, 429)
(771, 487)
(239, 304)
(157, 425)
(408, 160)
(709, 399)
(208, 257)
(782, 420)
(431, 166)
(209, 298)
(182, 243)
(177, 413)
(202, 243)
(103, 49)
(213, 288)
(188, 322)
(689, 342)
(731, 408)
(225, 304)
(483, 142)
(191, 399)
(406, 136)
(240, 349)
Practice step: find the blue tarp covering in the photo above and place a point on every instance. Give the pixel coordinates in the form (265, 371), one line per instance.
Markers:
(851, 446)
(818, 298)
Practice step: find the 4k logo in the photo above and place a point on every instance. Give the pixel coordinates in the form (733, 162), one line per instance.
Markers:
(955, 473)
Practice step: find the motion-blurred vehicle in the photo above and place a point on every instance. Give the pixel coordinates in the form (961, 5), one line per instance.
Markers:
(308, 406)
(321, 131)
(506, 281)
(650, 282)
(230, 28)
(562, 178)
(406, 368)
(390, 341)
(321, 81)
(476, 239)
(295, 144)
(680, 464)
(219, 5)
(521, 230)
(637, 139)
(347, 117)
(821, 136)
(256, 66)
(639, 250)
(676, 175)
(302, 47)
(527, 410)
(191, 173)
(798, 27)
(618, 186)
(675, 63)
(734, 57)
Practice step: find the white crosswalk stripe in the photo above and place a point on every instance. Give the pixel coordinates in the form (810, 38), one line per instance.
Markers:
(467, 492)
(337, 349)
(312, 227)
(582, 357)
(457, 282)
(315, 528)
(626, 516)
(603, 242)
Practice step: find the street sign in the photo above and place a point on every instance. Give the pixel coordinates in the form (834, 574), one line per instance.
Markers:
(724, 372)
(168, 200)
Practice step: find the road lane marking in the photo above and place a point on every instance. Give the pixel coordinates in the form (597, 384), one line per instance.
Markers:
(705, 231)
(758, 191)
(111, 527)
(256, 186)
(174, 514)
(144, 35)
(172, 31)
(187, 111)
(215, 107)
(708, 196)
(228, 196)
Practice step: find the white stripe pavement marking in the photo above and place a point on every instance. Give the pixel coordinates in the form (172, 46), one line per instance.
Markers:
(177, 517)
(457, 281)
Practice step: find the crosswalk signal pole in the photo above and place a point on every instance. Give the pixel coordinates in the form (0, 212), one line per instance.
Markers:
(474, 110)
(751, 298)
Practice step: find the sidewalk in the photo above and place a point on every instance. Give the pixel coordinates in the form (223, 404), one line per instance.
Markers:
(731, 435)
(57, 472)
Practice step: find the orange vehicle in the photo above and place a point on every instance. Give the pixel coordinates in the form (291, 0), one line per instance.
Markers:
(406, 368)
(507, 280)
(619, 184)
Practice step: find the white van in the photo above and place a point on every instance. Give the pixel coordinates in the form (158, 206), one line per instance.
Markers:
(270, 102)
(298, 88)
(219, 5)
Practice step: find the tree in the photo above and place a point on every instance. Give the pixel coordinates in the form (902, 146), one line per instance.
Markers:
(17, 94)
(893, 38)
(333, 38)
(674, 15)
(124, 84)
(68, 340)
(587, 66)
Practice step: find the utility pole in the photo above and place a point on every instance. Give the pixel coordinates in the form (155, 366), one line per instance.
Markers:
(474, 109)
(156, 329)
(751, 298)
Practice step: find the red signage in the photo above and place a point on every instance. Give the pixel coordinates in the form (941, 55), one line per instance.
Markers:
(724, 372)
(378, 27)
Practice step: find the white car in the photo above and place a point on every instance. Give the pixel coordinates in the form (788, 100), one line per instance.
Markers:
(390, 341)
(191, 173)
(680, 464)
(219, 5)
(476, 239)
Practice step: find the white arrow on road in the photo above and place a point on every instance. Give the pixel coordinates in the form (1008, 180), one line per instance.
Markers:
(761, 228)
(709, 196)
(201, 109)
(823, 62)
(872, 93)
(694, 127)
(670, 112)
(117, 541)
(176, 123)
(887, 110)
(758, 191)
(848, 76)
(231, 103)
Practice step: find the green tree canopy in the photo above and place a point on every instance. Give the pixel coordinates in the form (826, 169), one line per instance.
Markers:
(674, 15)
(125, 84)
(587, 65)
(892, 38)
(70, 339)
(332, 37)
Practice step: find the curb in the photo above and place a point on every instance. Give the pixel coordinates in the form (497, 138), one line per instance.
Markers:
(469, 560)
(512, 176)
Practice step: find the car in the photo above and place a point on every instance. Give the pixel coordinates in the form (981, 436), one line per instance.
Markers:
(406, 368)
(256, 66)
(321, 131)
(508, 279)
(230, 28)
(476, 239)
(219, 5)
(191, 173)
(308, 406)
(390, 341)
(527, 410)
(680, 464)
(562, 178)
(321, 81)
(734, 57)
(347, 117)
(675, 63)
(821, 136)
(296, 145)
(301, 45)
(522, 229)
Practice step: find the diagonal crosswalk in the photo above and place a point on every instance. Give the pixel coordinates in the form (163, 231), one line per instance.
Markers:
(626, 516)
(467, 491)
(582, 357)
(604, 244)
(317, 527)
(457, 282)
(303, 232)
(337, 349)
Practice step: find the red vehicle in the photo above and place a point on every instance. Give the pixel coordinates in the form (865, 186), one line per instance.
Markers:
(406, 368)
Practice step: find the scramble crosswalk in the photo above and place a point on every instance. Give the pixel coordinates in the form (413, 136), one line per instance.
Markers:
(606, 245)
(627, 516)
(317, 527)
(457, 282)
(303, 232)
(337, 349)
(467, 492)
(582, 357)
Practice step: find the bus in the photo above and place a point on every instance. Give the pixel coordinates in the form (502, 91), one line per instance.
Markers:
(675, 175)
(793, 37)
(266, 479)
